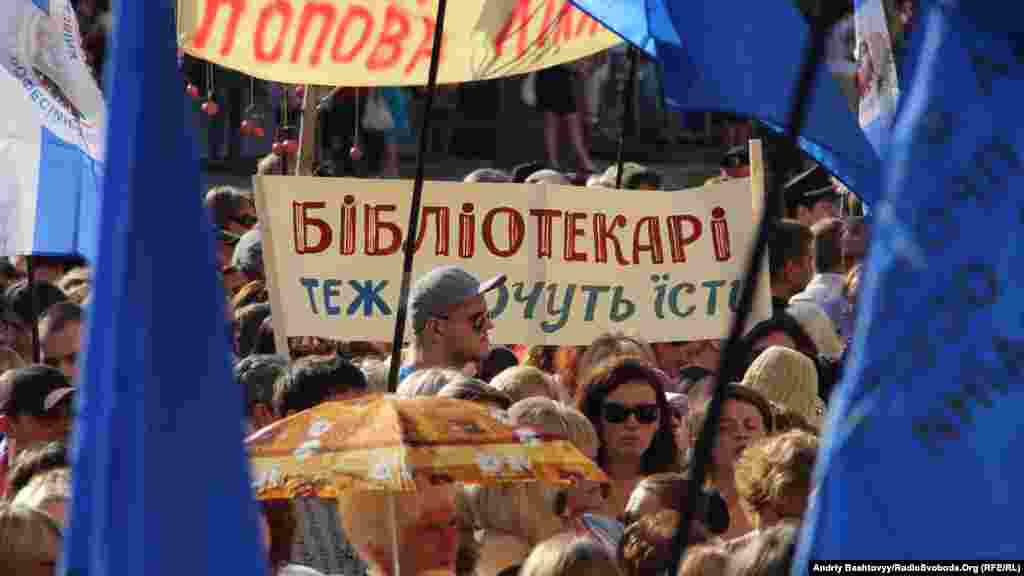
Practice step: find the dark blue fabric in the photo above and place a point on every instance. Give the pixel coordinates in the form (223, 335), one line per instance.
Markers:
(161, 484)
(920, 458)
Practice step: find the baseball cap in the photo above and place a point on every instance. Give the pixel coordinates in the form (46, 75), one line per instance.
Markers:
(248, 255)
(33, 390)
(440, 289)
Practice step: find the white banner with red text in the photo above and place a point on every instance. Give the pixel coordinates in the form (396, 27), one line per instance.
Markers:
(667, 266)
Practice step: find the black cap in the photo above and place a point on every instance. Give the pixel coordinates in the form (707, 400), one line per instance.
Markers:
(33, 390)
(809, 187)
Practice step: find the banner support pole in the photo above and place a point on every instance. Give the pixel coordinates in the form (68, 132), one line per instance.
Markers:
(417, 195)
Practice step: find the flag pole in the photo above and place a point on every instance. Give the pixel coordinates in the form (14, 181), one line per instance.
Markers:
(820, 22)
(626, 97)
(417, 193)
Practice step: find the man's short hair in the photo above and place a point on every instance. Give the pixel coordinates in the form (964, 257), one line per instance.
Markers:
(257, 374)
(58, 316)
(828, 248)
(313, 380)
(790, 240)
(225, 203)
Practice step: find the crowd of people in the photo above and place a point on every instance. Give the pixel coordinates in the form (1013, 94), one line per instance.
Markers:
(634, 407)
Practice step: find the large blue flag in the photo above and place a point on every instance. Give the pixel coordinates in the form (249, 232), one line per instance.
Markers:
(745, 58)
(920, 460)
(161, 482)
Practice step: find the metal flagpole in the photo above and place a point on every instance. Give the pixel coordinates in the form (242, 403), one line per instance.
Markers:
(701, 461)
(417, 193)
(628, 120)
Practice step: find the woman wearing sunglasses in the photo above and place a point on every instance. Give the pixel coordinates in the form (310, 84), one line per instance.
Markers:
(625, 401)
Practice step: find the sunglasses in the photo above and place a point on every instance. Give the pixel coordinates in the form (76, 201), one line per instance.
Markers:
(476, 322)
(618, 413)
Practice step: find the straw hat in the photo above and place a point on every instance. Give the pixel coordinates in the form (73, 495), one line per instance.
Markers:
(790, 378)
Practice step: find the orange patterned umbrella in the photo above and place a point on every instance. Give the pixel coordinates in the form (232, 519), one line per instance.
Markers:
(399, 444)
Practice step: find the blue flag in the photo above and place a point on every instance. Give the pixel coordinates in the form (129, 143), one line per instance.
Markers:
(921, 455)
(745, 59)
(161, 482)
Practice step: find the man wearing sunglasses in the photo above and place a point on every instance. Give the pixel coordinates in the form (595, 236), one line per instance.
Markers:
(449, 320)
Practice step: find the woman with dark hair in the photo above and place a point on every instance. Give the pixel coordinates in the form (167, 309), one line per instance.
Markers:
(625, 401)
(746, 418)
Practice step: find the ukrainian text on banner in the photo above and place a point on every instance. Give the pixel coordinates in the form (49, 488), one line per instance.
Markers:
(372, 43)
(666, 265)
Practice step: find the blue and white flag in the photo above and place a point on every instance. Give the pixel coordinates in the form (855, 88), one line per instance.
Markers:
(51, 139)
(877, 82)
(920, 457)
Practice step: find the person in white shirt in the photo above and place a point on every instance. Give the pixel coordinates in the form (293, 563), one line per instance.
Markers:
(826, 286)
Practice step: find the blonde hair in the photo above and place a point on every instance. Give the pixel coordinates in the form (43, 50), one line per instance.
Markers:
(528, 510)
(521, 382)
(475, 390)
(52, 486)
(569, 555)
(789, 378)
(26, 538)
(555, 418)
(364, 518)
(428, 382)
(775, 468)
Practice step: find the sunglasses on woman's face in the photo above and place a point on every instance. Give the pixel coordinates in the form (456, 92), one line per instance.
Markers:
(618, 413)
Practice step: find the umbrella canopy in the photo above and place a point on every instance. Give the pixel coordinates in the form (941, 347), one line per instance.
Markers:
(403, 444)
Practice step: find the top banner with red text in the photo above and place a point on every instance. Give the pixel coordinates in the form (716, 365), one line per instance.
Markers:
(667, 266)
(378, 43)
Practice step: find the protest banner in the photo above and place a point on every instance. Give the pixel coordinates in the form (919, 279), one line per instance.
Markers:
(369, 43)
(666, 265)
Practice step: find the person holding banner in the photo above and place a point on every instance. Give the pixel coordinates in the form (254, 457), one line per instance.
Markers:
(449, 320)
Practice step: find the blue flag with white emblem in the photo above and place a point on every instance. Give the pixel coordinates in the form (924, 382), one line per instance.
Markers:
(921, 453)
(51, 136)
(160, 481)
